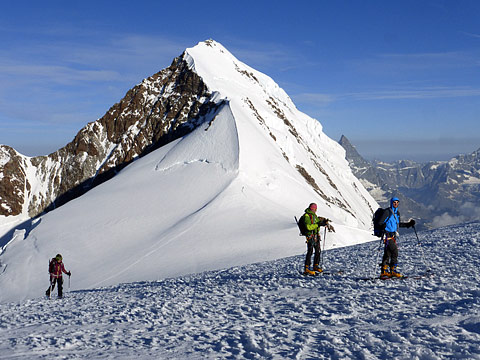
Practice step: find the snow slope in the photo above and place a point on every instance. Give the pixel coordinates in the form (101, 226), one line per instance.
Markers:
(268, 311)
(222, 196)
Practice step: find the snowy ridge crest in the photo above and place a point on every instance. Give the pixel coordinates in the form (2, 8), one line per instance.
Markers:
(203, 144)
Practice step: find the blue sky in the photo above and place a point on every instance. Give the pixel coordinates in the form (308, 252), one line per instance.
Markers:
(400, 79)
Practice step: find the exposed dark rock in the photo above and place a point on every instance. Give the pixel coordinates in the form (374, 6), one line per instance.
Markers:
(162, 108)
(13, 183)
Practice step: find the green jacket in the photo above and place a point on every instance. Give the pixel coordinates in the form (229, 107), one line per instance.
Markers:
(313, 222)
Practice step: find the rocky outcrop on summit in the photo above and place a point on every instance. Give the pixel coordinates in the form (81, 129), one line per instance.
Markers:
(162, 108)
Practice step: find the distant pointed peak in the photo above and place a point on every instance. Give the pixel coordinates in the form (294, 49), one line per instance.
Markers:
(351, 151)
(344, 141)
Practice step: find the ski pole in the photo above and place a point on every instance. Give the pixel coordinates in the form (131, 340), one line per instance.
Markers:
(416, 234)
(376, 257)
(298, 225)
(304, 255)
(421, 249)
(323, 251)
(51, 289)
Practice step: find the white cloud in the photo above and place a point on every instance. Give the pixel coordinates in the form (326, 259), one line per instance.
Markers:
(114, 58)
(446, 219)
(71, 79)
(415, 64)
(37, 73)
(417, 93)
(471, 34)
(468, 212)
(440, 92)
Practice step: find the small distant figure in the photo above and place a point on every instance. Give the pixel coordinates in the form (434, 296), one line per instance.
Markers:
(312, 223)
(56, 270)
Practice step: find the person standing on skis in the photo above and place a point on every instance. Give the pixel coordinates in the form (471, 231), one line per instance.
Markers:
(390, 254)
(56, 269)
(312, 224)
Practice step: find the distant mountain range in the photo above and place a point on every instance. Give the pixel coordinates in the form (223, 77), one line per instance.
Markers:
(436, 193)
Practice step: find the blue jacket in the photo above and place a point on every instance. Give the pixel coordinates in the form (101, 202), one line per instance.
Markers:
(393, 221)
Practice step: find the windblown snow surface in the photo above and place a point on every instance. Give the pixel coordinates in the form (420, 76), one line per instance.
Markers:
(269, 311)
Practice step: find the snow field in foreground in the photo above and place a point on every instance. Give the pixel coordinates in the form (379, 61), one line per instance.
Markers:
(269, 311)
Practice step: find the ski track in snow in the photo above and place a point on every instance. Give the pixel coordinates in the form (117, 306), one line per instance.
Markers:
(269, 311)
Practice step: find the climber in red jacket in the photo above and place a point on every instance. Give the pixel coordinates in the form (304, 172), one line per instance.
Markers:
(56, 270)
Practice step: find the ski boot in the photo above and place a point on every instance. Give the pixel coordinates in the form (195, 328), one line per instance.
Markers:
(317, 269)
(308, 271)
(385, 273)
(394, 272)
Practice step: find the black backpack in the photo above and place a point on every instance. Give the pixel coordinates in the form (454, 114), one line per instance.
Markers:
(51, 266)
(378, 220)
(301, 225)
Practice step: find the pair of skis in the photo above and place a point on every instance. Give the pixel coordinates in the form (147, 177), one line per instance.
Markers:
(427, 274)
(340, 272)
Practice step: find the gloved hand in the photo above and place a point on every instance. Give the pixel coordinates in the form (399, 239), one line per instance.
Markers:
(411, 223)
(321, 221)
(69, 273)
(330, 228)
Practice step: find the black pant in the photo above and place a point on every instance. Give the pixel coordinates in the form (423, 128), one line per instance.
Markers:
(59, 282)
(313, 243)
(391, 251)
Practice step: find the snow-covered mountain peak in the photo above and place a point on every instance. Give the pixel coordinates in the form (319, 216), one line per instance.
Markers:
(223, 72)
(201, 166)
